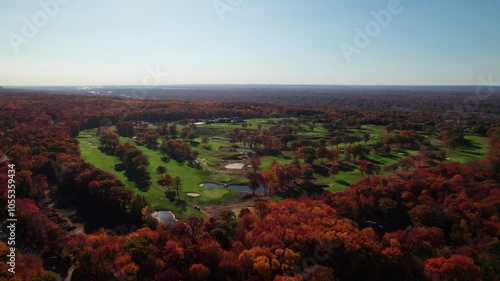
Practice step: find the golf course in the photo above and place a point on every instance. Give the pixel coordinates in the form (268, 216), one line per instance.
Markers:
(223, 161)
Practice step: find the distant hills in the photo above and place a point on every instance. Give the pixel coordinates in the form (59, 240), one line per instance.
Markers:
(337, 96)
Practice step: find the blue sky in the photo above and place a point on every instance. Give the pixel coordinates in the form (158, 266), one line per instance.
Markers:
(113, 42)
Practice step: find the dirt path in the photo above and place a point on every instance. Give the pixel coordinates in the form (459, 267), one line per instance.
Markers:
(70, 273)
(215, 210)
(4, 156)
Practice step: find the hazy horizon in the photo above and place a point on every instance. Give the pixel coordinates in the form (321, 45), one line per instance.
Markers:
(250, 85)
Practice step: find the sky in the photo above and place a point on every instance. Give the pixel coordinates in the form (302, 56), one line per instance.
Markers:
(332, 42)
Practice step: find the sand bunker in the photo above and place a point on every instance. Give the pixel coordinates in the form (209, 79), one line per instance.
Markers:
(165, 217)
(235, 166)
(192, 194)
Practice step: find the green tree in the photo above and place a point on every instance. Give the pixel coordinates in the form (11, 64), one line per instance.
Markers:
(161, 170)
(178, 186)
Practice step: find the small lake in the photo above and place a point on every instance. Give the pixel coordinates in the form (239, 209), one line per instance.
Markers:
(237, 187)
(166, 217)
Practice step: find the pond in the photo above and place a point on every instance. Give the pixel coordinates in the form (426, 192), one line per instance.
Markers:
(237, 187)
(166, 217)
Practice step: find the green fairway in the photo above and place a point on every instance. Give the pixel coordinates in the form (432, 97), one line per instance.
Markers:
(474, 147)
(90, 153)
(267, 161)
(218, 152)
(191, 177)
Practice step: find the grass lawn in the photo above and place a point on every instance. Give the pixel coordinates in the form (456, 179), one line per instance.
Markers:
(191, 177)
(475, 147)
(266, 161)
(90, 153)
(317, 132)
(213, 161)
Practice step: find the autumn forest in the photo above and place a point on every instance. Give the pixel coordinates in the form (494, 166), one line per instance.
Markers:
(369, 186)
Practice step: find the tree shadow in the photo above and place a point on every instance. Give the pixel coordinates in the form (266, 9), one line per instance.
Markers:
(119, 167)
(320, 170)
(106, 151)
(143, 186)
(170, 195)
(390, 156)
(315, 189)
(342, 182)
(181, 204)
(347, 168)
(375, 161)
(468, 152)
(469, 145)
